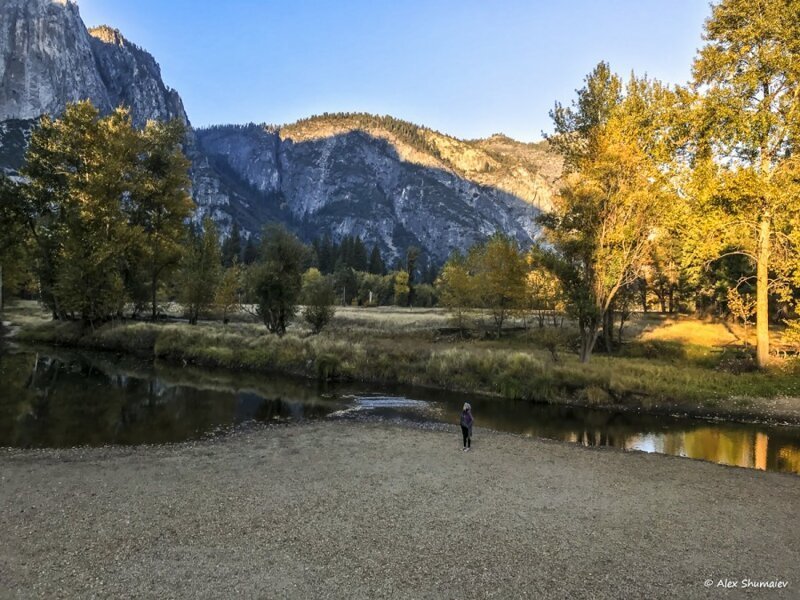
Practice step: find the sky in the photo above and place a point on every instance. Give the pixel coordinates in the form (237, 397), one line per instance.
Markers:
(469, 68)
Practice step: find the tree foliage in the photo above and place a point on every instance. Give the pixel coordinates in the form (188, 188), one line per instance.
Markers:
(276, 279)
(318, 297)
(201, 269)
(228, 295)
(500, 272)
(747, 131)
(493, 276)
(614, 199)
(103, 205)
(456, 288)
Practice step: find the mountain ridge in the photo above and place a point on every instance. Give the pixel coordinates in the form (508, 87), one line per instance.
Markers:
(393, 182)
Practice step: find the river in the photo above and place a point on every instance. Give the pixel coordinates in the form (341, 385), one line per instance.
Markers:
(52, 398)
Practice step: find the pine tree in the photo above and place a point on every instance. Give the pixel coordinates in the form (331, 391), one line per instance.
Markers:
(232, 247)
(412, 256)
(327, 255)
(376, 265)
(250, 253)
(359, 255)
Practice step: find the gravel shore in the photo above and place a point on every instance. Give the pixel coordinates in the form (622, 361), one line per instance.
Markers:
(364, 510)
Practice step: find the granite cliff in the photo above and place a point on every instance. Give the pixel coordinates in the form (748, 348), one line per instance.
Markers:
(391, 182)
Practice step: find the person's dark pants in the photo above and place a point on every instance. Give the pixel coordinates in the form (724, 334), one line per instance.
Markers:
(467, 439)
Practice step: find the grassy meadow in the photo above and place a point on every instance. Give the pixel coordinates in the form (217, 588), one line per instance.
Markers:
(668, 364)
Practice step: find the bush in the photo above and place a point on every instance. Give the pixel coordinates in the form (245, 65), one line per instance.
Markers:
(318, 296)
(737, 362)
(655, 349)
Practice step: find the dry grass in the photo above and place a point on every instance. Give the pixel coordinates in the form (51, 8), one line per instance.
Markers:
(25, 312)
(674, 364)
(687, 330)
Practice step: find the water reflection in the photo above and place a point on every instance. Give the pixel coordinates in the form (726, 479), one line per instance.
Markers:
(62, 399)
(753, 446)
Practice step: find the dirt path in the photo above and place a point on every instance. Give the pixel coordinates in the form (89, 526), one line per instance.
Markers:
(340, 510)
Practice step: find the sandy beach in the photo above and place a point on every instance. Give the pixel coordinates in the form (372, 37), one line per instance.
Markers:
(372, 510)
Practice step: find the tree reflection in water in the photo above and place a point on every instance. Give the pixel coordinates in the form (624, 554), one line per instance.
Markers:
(74, 400)
(61, 399)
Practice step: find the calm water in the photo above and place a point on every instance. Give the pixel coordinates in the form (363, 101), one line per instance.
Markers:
(60, 399)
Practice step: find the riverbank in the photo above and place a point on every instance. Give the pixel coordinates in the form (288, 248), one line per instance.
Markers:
(351, 510)
(652, 375)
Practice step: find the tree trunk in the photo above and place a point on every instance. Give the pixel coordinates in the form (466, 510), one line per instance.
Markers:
(608, 330)
(153, 297)
(762, 292)
(644, 295)
(588, 338)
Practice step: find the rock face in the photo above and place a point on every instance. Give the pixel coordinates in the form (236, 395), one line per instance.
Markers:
(385, 180)
(391, 182)
(132, 78)
(46, 59)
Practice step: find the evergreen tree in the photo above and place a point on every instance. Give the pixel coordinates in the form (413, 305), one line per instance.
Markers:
(327, 255)
(232, 247)
(346, 254)
(376, 266)
(345, 284)
(412, 256)
(359, 260)
(250, 253)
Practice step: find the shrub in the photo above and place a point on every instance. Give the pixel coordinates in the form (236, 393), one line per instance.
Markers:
(655, 349)
(318, 296)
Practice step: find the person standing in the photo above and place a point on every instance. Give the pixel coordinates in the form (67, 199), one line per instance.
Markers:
(466, 426)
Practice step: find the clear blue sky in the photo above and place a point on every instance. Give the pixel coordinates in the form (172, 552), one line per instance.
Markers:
(465, 67)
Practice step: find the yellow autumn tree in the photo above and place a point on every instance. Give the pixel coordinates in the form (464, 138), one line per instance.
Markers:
(748, 127)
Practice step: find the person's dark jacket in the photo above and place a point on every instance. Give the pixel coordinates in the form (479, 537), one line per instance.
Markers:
(466, 420)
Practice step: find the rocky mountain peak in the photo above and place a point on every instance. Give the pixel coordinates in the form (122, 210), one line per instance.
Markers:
(132, 77)
(527, 171)
(394, 183)
(108, 35)
(46, 59)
